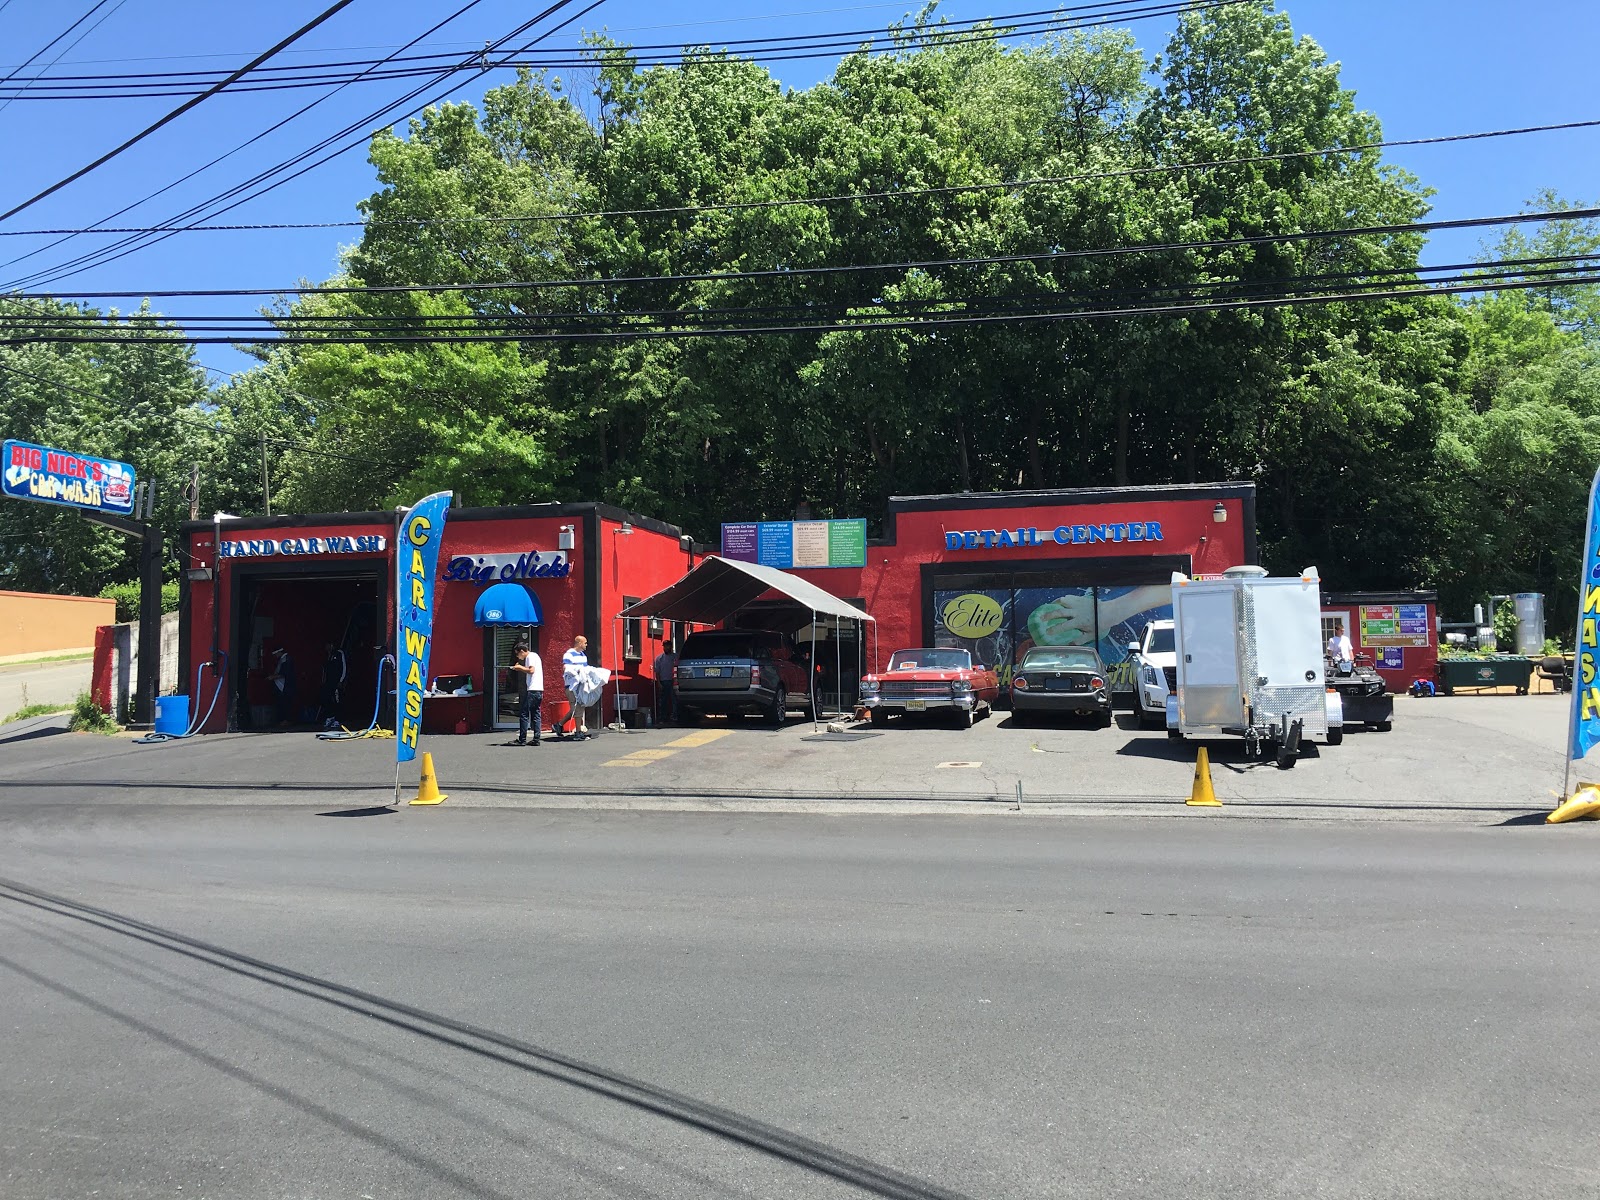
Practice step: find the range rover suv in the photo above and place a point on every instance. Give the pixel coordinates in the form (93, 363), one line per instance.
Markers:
(739, 671)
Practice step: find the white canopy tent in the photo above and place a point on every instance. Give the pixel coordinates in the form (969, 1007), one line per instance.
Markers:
(719, 587)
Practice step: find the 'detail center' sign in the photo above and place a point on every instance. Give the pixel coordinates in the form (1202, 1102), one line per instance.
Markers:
(416, 560)
(30, 472)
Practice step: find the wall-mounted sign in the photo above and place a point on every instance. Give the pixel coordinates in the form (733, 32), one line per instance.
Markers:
(1061, 535)
(787, 544)
(1395, 625)
(60, 477)
(294, 547)
(507, 568)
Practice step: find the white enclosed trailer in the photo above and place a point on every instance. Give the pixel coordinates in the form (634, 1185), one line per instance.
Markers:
(1250, 662)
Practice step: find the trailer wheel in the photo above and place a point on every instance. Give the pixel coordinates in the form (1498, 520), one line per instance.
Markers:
(1174, 735)
(1336, 735)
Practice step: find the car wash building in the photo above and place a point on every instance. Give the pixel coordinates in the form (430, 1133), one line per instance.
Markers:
(320, 588)
(1001, 572)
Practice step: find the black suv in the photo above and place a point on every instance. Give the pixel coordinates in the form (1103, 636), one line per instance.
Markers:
(737, 672)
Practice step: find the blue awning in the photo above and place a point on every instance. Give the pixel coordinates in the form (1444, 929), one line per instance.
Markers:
(507, 604)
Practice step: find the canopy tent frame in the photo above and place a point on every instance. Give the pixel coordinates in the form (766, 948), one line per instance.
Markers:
(718, 587)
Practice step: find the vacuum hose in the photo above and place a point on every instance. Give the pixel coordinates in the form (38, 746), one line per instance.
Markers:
(198, 722)
(371, 731)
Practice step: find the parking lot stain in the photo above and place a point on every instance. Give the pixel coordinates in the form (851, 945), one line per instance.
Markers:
(943, 766)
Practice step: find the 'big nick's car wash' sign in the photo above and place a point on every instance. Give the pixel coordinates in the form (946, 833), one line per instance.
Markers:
(507, 568)
(29, 472)
(1061, 535)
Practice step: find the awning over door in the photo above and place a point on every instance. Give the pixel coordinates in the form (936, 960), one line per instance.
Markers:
(507, 604)
(720, 587)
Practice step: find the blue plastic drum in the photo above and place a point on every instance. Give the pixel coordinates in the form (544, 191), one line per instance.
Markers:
(172, 715)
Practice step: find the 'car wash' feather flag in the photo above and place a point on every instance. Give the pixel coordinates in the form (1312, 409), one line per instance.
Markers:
(416, 558)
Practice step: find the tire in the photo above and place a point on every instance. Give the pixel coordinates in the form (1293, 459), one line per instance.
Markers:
(1336, 735)
(1383, 726)
(778, 711)
(1174, 735)
(879, 718)
(1020, 718)
(1147, 719)
(964, 718)
(1105, 721)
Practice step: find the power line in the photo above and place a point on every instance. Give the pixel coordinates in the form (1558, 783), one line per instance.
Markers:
(1006, 27)
(834, 198)
(64, 50)
(322, 17)
(1043, 256)
(46, 47)
(128, 246)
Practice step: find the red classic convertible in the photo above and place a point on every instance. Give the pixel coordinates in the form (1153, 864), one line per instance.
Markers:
(919, 680)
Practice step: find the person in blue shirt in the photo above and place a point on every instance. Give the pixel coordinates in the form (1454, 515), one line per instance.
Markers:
(577, 656)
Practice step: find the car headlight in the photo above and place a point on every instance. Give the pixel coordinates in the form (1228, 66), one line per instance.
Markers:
(961, 685)
(869, 686)
(1150, 675)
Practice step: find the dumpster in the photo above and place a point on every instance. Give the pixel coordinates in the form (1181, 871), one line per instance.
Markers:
(1485, 671)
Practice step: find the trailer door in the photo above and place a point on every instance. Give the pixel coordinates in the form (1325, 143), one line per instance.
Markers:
(1208, 657)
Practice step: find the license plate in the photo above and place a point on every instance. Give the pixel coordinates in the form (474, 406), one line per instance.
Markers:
(916, 705)
(713, 670)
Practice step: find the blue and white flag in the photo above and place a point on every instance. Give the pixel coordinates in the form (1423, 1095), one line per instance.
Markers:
(1586, 662)
(416, 557)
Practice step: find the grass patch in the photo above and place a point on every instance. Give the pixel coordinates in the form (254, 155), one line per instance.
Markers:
(47, 658)
(89, 717)
(35, 710)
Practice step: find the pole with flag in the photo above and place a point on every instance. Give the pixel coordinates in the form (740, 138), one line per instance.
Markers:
(416, 560)
(1584, 728)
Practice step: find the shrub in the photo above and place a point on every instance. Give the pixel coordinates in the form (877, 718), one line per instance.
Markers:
(89, 717)
(127, 597)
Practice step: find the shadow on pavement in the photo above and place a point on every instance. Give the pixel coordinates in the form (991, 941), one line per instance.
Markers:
(745, 1131)
(377, 810)
(1532, 818)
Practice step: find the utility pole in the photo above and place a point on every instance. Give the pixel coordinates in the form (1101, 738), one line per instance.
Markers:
(266, 484)
(194, 492)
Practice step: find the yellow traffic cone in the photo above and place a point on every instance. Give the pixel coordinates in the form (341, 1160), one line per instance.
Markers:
(428, 790)
(1201, 794)
(1584, 803)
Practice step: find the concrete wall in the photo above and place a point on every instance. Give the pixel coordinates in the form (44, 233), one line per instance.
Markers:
(32, 624)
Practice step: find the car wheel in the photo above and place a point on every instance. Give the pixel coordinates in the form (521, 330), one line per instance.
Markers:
(963, 718)
(780, 707)
(879, 718)
(1105, 720)
(1336, 735)
(1148, 719)
(1020, 717)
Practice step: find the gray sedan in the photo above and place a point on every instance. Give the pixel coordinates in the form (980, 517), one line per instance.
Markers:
(1061, 679)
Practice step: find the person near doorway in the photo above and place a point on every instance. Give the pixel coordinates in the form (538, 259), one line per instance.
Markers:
(666, 673)
(526, 663)
(334, 670)
(573, 664)
(284, 691)
(1339, 648)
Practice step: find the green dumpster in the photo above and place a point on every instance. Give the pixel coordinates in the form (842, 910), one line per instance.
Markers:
(1487, 671)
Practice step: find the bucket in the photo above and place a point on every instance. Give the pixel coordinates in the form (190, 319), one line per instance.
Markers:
(172, 715)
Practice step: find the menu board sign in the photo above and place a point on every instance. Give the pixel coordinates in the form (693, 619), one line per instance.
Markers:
(1395, 625)
(789, 544)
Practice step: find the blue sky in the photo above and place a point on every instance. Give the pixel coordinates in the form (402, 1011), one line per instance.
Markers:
(1425, 67)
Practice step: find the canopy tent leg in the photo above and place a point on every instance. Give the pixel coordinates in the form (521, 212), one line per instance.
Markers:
(811, 665)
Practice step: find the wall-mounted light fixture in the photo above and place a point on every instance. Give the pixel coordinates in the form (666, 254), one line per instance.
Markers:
(198, 574)
(566, 538)
(625, 529)
(1219, 514)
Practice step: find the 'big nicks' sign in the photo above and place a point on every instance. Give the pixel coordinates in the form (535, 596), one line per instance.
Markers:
(29, 472)
(416, 561)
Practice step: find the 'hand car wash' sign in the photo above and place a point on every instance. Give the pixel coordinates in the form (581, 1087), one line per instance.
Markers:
(29, 472)
(1062, 535)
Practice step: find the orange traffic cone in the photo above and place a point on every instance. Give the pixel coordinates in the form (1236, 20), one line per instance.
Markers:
(1201, 795)
(428, 790)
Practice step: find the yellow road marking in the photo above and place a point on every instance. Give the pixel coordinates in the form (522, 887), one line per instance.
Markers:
(703, 737)
(627, 762)
(647, 755)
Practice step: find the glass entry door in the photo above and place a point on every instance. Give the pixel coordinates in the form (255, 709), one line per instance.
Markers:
(506, 685)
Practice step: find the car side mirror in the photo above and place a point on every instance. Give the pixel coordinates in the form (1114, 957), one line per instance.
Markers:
(1133, 647)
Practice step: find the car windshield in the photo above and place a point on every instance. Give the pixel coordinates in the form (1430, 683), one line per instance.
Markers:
(1161, 642)
(930, 660)
(1056, 659)
(718, 645)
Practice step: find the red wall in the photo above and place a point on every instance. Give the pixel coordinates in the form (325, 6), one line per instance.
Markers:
(635, 564)
(891, 582)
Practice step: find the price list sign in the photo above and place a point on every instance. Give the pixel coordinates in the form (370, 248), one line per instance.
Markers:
(1395, 625)
(789, 544)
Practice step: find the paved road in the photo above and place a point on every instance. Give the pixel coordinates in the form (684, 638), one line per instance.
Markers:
(287, 1002)
(42, 683)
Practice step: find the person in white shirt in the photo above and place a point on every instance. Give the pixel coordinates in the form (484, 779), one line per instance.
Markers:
(1339, 648)
(528, 664)
(572, 662)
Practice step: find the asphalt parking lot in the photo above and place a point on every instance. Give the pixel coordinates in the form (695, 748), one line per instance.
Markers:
(1475, 758)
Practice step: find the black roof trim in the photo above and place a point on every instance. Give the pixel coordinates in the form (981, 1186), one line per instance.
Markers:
(509, 512)
(1418, 596)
